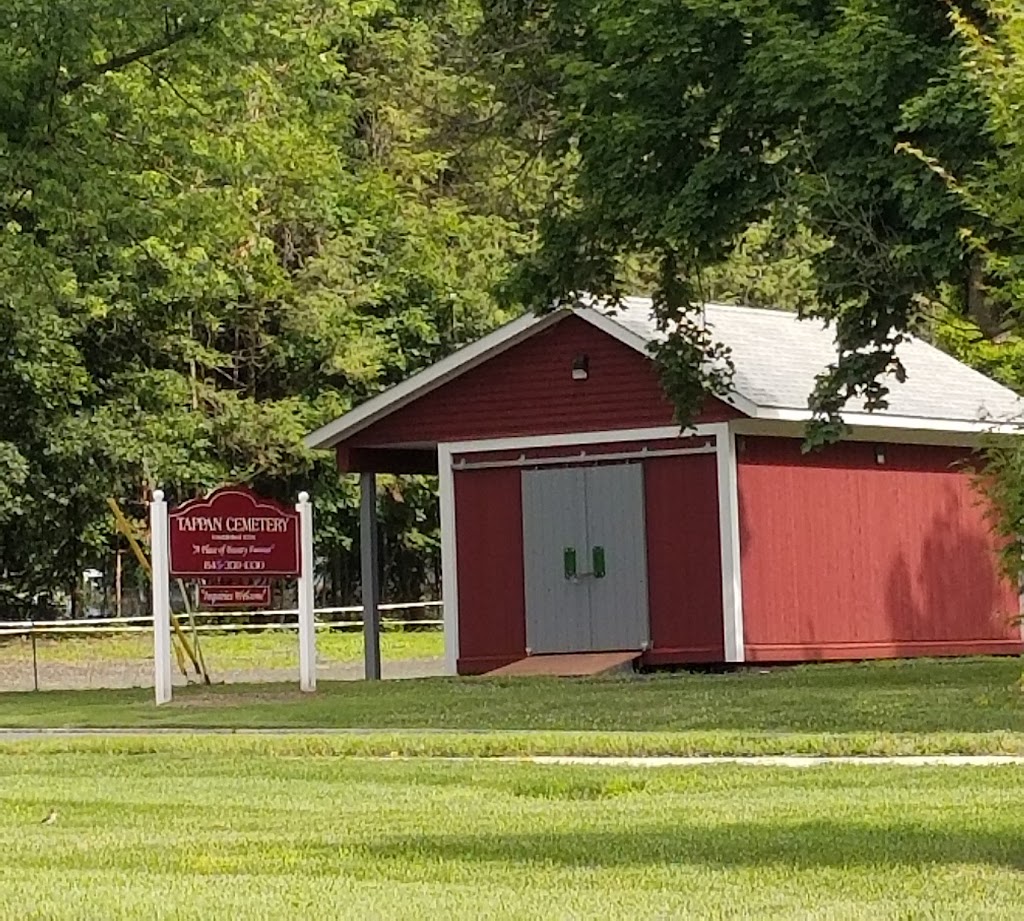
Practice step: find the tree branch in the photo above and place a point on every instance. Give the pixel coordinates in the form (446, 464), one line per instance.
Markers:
(162, 79)
(121, 61)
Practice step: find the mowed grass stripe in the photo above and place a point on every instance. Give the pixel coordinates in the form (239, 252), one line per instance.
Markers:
(232, 833)
(953, 698)
(512, 744)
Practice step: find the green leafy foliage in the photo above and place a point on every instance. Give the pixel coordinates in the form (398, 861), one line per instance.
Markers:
(219, 227)
(688, 123)
(993, 61)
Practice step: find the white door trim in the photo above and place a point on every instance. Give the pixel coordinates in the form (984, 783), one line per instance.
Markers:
(729, 540)
(449, 559)
(728, 512)
(578, 438)
(568, 460)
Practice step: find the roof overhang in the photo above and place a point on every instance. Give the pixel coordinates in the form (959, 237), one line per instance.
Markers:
(886, 421)
(881, 434)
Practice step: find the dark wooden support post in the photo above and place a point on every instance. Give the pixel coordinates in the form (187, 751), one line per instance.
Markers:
(368, 551)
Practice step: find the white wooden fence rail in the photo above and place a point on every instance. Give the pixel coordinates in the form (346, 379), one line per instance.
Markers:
(220, 621)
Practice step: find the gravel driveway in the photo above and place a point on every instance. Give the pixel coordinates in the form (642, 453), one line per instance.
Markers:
(53, 676)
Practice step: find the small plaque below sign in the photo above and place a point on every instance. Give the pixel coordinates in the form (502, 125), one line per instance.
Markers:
(234, 596)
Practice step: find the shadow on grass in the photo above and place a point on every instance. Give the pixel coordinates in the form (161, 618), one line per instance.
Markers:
(805, 845)
(798, 847)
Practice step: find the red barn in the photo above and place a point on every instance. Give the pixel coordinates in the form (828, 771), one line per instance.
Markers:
(576, 517)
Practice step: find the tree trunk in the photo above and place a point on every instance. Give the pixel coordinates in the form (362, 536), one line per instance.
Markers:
(980, 307)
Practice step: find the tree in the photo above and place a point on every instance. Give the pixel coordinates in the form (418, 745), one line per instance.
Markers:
(690, 121)
(57, 156)
(994, 63)
(220, 225)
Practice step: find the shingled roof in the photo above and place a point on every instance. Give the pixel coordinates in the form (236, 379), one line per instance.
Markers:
(776, 355)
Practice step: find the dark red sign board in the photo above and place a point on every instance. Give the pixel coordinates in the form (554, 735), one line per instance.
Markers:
(234, 596)
(234, 532)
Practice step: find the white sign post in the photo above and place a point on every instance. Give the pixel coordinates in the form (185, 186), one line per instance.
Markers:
(307, 628)
(161, 598)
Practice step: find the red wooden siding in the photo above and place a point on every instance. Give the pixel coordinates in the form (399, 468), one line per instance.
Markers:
(528, 390)
(843, 558)
(489, 546)
(684, 560)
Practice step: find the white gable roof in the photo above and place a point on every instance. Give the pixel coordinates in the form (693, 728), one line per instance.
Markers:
(777, 356)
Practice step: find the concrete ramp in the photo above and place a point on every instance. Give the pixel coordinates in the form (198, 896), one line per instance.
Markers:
(569, 665)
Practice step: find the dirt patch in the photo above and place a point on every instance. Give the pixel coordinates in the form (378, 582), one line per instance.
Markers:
(200, 697)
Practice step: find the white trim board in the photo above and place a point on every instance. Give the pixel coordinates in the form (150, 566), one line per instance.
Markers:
(449, 559)
(573, 460)
(728, 512)
(729, 544)
(570, 439)
(881, 420)
(767, 428)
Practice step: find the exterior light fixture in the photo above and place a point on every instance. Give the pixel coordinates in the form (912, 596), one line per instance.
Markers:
(581, 367)
(879, 455)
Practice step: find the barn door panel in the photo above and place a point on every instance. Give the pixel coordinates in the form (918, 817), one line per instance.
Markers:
(554, 560)
(618, 557)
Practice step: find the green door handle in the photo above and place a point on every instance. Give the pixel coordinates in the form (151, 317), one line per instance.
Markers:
(597, 569)
(569, 561)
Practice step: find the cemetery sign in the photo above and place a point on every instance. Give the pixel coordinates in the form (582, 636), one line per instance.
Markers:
(234, 532)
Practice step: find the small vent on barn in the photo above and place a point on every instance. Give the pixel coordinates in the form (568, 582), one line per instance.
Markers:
(581, 367)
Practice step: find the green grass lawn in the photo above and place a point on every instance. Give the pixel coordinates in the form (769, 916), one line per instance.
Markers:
(224, 651)
(245, 829)
(920, 706)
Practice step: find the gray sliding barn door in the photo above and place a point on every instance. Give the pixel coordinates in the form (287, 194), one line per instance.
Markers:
(616, 531)
(554, 525)
(585, 559)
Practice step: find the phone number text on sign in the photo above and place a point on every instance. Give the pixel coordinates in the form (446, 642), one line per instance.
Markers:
(234, 565)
